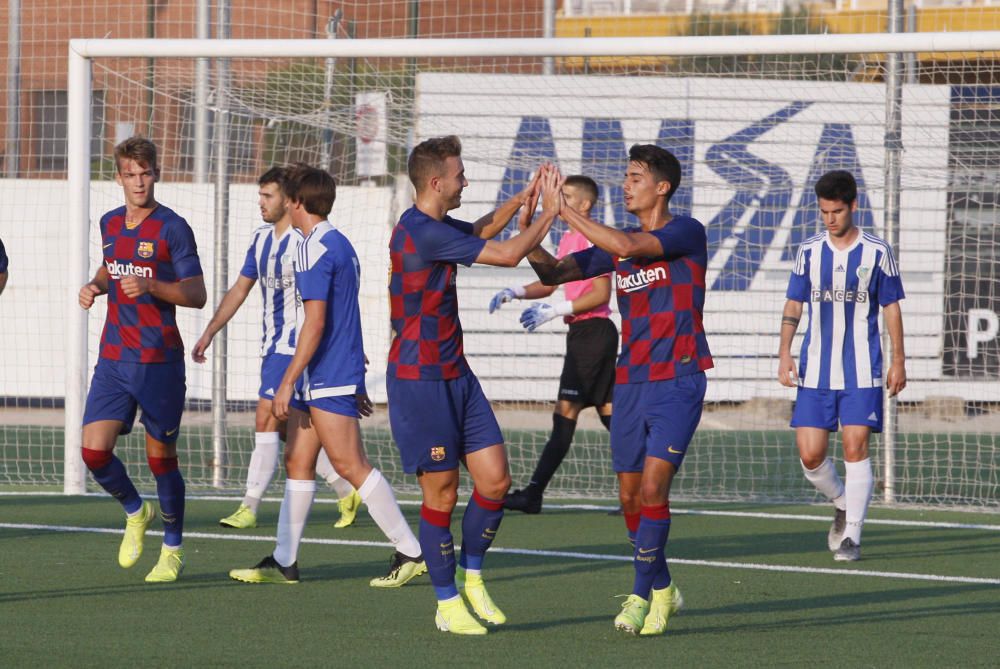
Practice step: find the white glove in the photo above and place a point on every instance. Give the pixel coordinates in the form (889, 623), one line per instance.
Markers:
(505, 296)
(540, 313)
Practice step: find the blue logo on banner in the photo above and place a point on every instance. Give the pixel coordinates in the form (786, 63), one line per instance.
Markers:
(762, 189)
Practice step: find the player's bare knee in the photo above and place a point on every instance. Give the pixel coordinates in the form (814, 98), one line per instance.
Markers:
(812, 460)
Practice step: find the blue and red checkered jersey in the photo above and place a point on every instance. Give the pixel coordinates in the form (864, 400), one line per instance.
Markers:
(161, 247)
(661, 301)
(424, 255)
(269, 262)
(327, 269)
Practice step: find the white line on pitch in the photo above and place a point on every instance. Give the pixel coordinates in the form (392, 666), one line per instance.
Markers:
(542, 553)
(598, 507)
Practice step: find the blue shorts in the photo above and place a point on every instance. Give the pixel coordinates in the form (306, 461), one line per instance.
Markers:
(117, 389)
(345, 405)
(655, 419)
(272, 370)
(436, 423)
(824, 408)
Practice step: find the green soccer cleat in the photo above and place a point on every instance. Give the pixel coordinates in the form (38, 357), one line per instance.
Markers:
(267, 571)
(475, 591)
(243, 519)
(402, 569)
(348, 508)
(664, 603)
(452, 616)
(135, 531)
(168, 567)
(633, 615)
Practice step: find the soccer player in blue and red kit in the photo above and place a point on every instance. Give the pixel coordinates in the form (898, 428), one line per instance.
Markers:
(845, 274)
(322, 393)
(150, 267)
(437, 410)
(660, 377)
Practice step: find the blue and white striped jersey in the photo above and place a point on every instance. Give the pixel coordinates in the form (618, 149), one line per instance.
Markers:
(844, 289)
(327, 269)
(269, 263)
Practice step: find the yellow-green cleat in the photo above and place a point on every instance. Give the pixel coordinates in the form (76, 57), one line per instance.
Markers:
(402, 569)
(348, 508)
(244, 518)
(168, 567)
(135, 531)
(452, 616)
(633, 615)
(475, 592)
(267, 571)
(663, 604)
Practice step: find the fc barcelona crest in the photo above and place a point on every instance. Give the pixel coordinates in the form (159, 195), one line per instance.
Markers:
(437, 453)
(146, 249)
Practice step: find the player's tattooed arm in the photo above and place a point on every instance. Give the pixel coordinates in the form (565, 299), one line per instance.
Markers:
(96, 286)
(787, 373)
(552, 272)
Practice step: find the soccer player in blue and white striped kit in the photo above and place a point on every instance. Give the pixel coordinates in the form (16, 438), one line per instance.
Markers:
(322, 393)
(845, 274)
(269, 263)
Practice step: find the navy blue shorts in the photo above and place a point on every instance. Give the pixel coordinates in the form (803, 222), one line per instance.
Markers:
(436, 423)
(117, 389)
(272, 370)
(656, 419)
(824, 408)
(345, 405)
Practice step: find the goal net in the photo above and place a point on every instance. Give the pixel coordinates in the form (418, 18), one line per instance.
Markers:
(754, 122)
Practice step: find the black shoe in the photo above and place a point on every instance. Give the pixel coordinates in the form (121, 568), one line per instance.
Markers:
(522, 500)
(848, 551)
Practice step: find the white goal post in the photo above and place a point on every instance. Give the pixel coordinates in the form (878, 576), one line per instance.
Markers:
(83, 52)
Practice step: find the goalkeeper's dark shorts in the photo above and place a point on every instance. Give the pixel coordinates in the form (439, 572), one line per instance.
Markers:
(588, 374)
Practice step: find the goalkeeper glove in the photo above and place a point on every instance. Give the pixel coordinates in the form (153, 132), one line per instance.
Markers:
(540, 313)
(506, 295)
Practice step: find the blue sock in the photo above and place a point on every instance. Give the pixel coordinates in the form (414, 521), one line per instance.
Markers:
(170, 490)
(438, 548)
(110, 474)
(479, 527)
(649, 558)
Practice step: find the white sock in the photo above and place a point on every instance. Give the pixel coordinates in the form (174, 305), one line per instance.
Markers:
(859, 486)
(382, 507)
(825, 479)
(325, 469)
(292, 519)
(263, 464)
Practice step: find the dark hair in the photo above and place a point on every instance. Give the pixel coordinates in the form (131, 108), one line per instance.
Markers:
(837, 185)
(662, 164)
(428, 156)
(136, 148)
(316, 189)
(275, 175)
(584, 183)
